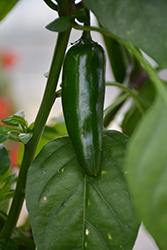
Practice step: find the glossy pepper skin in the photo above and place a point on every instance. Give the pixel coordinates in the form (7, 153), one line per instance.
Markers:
(82, 99)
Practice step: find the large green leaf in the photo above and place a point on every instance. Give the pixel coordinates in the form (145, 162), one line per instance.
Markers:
(5, 7)
(147, 166)
(69, 210)
(144, 23)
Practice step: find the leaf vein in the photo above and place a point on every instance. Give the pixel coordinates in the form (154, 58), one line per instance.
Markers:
(107, 204)
(95, 229)
(52, 177)
(144, 18)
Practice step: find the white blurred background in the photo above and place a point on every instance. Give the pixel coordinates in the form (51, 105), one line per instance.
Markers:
(23, 31)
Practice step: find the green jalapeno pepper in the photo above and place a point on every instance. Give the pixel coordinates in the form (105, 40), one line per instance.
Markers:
(83, 91)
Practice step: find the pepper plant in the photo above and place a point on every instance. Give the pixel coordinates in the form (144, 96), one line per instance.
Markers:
(78, 205)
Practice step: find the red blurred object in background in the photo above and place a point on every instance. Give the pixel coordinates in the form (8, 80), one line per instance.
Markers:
(8, 58)
(14, 149)
(6, 109)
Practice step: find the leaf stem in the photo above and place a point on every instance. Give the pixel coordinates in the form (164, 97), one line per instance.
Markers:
(30, 147)
(141, 105)
(92, 28)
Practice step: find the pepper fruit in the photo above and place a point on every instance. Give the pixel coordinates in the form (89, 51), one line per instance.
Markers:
(83, 88)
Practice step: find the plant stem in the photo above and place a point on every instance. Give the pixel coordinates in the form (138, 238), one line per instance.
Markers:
(141, 105)
(4, 218)
(66, 7)
(30, 147)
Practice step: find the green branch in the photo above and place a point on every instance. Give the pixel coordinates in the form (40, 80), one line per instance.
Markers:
(141, 105)
(4, 218)
(30, 147)
(92, 28)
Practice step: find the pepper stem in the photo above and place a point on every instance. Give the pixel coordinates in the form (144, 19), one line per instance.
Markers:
(86, 34)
